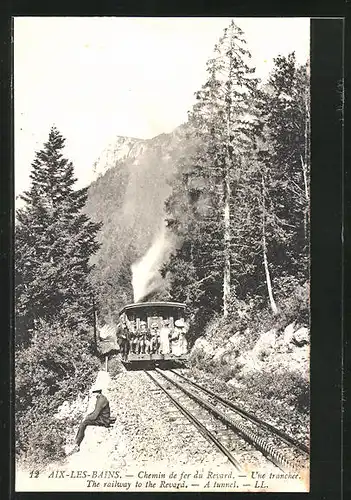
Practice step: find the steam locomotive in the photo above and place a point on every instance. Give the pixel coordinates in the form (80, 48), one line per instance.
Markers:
(153, 331)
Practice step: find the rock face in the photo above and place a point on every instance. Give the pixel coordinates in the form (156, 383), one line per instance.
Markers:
(203, 348)
(288, 333)
(301, 337)
(273, 351)
(120, 149)
(265, 344)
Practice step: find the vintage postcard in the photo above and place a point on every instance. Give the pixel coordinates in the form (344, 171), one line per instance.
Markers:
(162, 236)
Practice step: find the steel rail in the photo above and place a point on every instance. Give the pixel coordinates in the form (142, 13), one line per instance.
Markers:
(285, 437)
(201, 428)
(256, 441)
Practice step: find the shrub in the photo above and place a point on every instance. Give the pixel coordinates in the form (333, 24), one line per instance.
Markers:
(56, 366)
(227, 372)
(289, 387)
(40, 438)
(115, 366)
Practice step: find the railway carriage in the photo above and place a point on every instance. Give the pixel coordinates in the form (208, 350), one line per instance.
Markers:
(148, 323)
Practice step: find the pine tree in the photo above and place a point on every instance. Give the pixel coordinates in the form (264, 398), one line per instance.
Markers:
(54, 241)
(285, 112)
(222, 125)
(274, 193)
(240, 201)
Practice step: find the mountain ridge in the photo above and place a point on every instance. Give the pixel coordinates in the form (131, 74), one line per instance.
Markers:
(128, 197)
(119, 149)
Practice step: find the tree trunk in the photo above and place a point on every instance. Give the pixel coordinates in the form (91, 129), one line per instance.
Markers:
(227, 196)
(264, 249)
(306, 209)
(227, 237)
(304, 163)
(94, 325)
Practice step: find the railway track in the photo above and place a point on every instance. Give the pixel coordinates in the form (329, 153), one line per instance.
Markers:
(290, 441)
(237, 434)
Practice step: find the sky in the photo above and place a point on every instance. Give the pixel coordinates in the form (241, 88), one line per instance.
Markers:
(96, 78)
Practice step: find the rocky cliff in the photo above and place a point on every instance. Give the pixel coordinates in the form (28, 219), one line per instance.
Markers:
(272, 352)
(120, 149)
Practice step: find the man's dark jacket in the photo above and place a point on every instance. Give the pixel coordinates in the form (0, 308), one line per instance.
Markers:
(101, 412)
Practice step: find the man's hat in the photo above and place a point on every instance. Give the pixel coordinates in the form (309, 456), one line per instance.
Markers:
(96, 388)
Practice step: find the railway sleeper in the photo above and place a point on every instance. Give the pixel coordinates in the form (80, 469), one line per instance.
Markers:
(256, 441)
(207, 435)
(302, 447)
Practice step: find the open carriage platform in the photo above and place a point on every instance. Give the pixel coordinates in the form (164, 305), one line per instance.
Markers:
(145, 362)
(153, 332)
(155, 357)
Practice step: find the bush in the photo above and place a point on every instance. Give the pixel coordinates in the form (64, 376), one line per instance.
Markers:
(289, 387)
(40, 438)
(296, 307)
(115, 366)
(56, 366)
(228, 372)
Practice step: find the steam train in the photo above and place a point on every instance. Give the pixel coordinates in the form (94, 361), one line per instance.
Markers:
(153, 331)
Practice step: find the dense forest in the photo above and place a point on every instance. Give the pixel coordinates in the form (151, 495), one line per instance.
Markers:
(240, 200)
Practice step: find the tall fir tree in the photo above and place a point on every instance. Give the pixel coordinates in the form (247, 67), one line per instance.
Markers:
(222, 125)
(286, 168)
(54, 241)
(240, 202)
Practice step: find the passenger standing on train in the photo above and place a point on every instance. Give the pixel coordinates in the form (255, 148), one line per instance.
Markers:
(138, 338)
(133, 337)
(155, 341)
(123, 336)
(144, 343)
(147, 341)
(182, 330)
(165, 333)
(176, 341)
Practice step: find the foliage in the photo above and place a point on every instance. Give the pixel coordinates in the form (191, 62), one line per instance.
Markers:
(40, 438)
(54, 241)
(257, 140)
(220, 134)
(115, 366)
(57, 365)
(286, 386)
(284, 109)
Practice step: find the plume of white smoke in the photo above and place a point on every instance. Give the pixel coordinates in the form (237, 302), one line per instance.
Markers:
(145, 272)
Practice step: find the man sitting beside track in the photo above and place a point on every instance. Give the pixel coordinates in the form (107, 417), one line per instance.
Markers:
(100, 417)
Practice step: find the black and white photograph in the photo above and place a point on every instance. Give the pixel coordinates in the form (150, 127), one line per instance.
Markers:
(162, 254)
